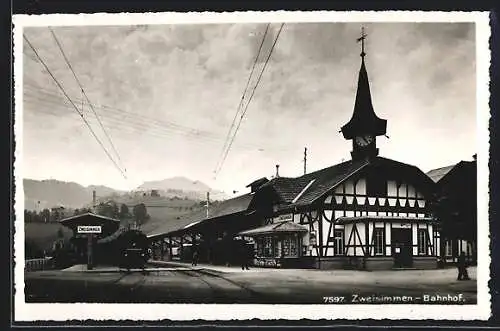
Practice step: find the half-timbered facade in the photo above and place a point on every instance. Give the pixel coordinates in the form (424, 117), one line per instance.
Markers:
(369, 212)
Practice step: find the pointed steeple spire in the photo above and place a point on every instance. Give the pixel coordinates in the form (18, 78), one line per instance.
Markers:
(364, 120)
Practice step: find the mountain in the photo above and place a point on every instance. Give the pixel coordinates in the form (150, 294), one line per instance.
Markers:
(52, 193)
(183, 187)
(175, 183)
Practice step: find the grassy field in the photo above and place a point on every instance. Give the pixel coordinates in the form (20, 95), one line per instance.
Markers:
(43, 235)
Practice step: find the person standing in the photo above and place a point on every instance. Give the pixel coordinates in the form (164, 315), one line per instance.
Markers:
(249, 255)
(195, 257)
(462, 267)
(242, 255)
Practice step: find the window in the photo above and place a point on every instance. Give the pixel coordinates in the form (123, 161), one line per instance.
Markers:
(286, 246)
(376, 186)
(294, 250)
(339, 242)
(260, 247)
(448, 248)
(422, 241)
(268, 247)
(290, 247)
(379, 241)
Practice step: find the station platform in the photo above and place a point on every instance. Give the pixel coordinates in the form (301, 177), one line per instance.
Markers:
(205, 266)
(106, 269)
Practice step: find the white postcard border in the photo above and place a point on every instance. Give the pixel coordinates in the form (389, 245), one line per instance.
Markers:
(63, 312)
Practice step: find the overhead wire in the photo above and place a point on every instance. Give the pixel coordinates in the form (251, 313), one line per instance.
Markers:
(115, 119)
(168, 124)
(75, 107)
(242, 98)
(250, 99)
(86, 97)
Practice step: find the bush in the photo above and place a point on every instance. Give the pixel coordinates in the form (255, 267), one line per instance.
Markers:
(32, 250)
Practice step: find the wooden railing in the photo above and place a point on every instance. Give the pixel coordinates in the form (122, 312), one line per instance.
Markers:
(38, 264)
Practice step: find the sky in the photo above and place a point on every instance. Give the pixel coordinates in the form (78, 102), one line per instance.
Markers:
(167, 95)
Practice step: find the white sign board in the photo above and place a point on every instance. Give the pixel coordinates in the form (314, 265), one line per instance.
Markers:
(89, 229)
(285, 217)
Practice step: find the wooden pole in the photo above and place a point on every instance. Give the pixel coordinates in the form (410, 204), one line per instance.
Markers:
(208, 203)
(170, 248)
(89, 250)
(305, 160)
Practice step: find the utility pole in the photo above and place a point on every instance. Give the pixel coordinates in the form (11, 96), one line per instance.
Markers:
(305, 160)
(208, 202)
(90, 237)
(93, 201)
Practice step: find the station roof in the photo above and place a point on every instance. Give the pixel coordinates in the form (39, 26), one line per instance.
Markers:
(306, 189)
(299, 191)
(437, 174)
(224, 208)
(275, 228)
(109, 224)
(88, 219)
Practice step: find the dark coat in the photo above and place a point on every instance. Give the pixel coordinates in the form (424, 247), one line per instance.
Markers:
(462, 261)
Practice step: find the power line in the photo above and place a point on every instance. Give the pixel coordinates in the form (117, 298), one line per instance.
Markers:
(116, 120)
(242, 97)
(76, 108)
(169, 124)
(123, 119)
(250, 99)
(85, 94)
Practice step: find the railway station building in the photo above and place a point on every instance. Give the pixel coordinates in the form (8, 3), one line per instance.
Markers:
(456, 192)
(369, 212)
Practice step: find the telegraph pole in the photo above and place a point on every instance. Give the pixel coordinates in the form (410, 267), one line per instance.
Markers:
(90, 236)
(305, 160)
(93, 201)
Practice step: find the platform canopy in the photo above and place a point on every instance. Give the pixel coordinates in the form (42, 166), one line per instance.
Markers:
(108, 225)
(275, 228)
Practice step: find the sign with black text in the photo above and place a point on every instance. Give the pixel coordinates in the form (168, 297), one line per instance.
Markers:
(89, 229)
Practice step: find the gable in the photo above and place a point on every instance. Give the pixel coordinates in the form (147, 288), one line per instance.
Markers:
(437, 174)
(462, 179)
(355, 174)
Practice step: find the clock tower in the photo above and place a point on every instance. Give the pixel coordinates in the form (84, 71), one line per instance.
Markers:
(365, 125)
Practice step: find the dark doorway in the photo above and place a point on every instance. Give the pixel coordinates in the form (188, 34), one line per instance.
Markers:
(402, 247)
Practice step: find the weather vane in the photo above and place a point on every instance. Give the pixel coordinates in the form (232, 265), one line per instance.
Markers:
(362, 39)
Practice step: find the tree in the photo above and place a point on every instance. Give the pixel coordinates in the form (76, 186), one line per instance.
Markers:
(124, 212)
(76, 212)
(27, 216)
(140, 213)
(108, 209)
(44, 216)
(55, 215)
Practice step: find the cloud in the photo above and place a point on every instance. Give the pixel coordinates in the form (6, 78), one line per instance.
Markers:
(155, 86)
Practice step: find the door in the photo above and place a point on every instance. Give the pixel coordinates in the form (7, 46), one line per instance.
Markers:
(402, 247)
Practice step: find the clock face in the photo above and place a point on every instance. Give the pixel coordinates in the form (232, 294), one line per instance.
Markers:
(364, 140)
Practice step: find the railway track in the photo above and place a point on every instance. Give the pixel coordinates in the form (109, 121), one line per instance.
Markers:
(225, 290)
(172, 286)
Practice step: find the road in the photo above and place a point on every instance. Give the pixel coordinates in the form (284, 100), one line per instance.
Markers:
(199, 285)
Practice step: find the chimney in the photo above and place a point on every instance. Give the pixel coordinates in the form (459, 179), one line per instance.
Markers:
(277, 170)
(474, 157)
